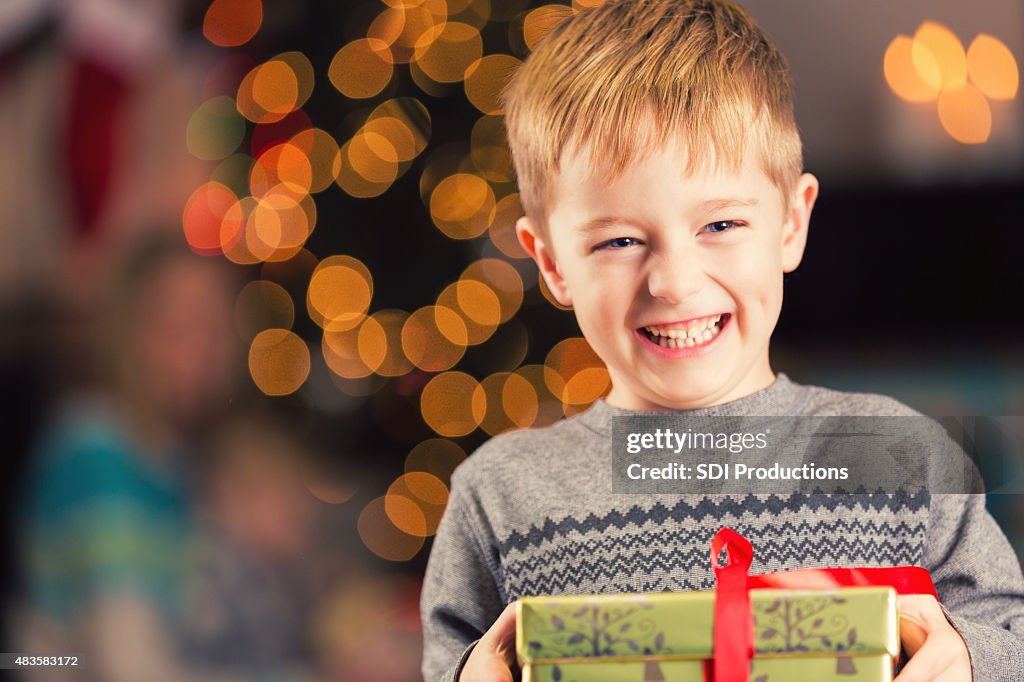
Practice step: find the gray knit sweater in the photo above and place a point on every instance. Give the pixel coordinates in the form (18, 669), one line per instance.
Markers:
(531, 512)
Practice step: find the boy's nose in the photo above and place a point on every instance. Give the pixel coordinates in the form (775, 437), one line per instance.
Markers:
(674, 277)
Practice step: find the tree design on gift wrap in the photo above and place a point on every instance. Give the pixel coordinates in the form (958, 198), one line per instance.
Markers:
(594, 630)
(804, 624)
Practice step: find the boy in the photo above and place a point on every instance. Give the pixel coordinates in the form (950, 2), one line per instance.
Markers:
(659, 168)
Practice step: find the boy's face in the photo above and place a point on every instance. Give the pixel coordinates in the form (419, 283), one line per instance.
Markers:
(676, 279)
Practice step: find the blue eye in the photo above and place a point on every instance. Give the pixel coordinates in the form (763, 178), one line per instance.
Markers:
(721, 226)
(618, 243)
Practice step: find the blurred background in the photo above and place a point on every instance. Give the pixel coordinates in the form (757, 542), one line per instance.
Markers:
(260, 293)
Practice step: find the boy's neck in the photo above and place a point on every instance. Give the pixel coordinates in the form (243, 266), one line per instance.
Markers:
(751, 384)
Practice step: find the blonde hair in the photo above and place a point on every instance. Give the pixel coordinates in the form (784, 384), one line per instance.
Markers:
(701, 70)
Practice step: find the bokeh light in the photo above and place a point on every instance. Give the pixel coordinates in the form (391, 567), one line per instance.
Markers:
(476, 13)
(371, 344)
(415, 502)
(362, 68)
(352, 181)
(965, 114)
(382, 537)
(489, 149)
(339, 293)
(992, 68)
(485, 79)
(507, 213)
(541, 378)
(304, 74)
(405, 514)
(385, 342)
(434, 338)
(538, 22)
(234, 232)
(320, 149)
(409, 28)
(939, 56)
(453, 404)
(574, 382)
(210, 210)
(278, 225)
(341, 353)
(902, 75)
(428, 84)
(394, 133)
(404, 122)
(586, 386)
(477, 304)
(262, 305)
(511, 403)
(437, 456)
(276, 88)
(462, 206)
(443, 161)
(326, 486)
(278, 361)
(519, 400)
(448, 50)
(503, 279)
(373, 157)
(283, 164)
(230, 23)
(215, 129)
(233, 172)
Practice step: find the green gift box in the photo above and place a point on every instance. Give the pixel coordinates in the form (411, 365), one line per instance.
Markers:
(841, 635)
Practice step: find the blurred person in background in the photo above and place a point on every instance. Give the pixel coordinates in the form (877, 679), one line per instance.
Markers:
(107, 517)
(95, 97)
(368, 629)
(251, 593)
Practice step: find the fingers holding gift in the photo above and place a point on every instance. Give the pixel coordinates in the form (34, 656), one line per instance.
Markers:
(937, 652)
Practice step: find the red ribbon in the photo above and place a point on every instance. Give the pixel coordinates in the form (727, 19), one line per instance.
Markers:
(734, 619)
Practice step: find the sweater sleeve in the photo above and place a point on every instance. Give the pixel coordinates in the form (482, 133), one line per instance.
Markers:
(461, 595)
(979, 581)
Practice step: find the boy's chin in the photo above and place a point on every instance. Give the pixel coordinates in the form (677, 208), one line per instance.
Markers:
(658, 400)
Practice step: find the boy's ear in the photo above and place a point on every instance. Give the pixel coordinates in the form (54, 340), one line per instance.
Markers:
(794, 232)
(533, 242)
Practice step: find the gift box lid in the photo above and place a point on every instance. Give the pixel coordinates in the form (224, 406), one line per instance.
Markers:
(851, 621)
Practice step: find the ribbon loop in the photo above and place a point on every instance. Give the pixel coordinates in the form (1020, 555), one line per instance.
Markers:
(738, 549)
(734, 619)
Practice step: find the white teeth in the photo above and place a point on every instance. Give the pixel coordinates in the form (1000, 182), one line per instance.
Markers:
(692, 336)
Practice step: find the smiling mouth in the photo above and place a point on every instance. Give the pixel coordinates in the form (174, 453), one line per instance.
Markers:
(694, 333)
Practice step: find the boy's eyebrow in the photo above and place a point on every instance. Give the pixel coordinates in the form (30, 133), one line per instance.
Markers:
(595, 224)
(708, 206)
(720, 204)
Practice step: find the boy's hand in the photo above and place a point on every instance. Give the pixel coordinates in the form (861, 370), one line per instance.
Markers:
(494, 655)
(938, 653)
